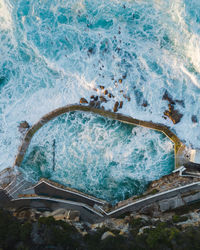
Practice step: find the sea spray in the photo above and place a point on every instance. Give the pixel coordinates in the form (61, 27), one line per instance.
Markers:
(52, 53)
(99, 156)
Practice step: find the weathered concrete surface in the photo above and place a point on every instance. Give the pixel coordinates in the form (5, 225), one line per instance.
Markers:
(115, 116)
(171, 203)
(166, 200)
(51, 189)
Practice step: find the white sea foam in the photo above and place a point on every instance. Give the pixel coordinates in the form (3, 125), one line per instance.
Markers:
(46, 64)
(99, 156)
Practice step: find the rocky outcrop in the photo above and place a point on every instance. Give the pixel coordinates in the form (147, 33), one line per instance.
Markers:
(106, 235)
(170, 181)
(23, 127)
(167, 97)
(173, 114)
(115, 109)
(83, 101)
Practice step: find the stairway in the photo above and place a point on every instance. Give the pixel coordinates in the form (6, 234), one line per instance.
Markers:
(17, 186)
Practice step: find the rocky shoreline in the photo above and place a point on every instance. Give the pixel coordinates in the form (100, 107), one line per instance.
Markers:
(64, 229)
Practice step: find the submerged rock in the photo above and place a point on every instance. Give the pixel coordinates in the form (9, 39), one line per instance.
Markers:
(194, 118)
(23, 126)
(145, 104)
(180, 102)
(127, 97)
(167, 97)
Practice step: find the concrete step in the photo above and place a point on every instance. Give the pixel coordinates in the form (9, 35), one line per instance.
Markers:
(17, 186)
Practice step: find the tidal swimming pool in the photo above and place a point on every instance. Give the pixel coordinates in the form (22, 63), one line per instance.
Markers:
(99, 156)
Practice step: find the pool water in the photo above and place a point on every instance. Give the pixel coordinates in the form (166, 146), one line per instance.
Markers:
(99, 156)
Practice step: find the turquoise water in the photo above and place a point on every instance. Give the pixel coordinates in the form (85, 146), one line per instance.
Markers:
(102, 157)
(54, 52)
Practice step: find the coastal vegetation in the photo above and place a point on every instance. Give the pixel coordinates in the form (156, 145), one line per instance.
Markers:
(48, 233)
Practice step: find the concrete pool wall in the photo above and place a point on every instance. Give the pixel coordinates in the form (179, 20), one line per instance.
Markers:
(115, 116)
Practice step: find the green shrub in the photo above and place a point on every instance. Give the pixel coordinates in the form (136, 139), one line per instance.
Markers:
(178, 218)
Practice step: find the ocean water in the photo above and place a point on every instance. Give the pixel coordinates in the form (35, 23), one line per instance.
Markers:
(102, 157)
(54, 52)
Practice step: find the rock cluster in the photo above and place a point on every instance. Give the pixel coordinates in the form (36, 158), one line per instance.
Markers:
(105, 96)
(173, 114)
(58, 214)
(23, 127)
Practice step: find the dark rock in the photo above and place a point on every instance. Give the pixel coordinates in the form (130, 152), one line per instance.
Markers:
(180, 102)
(115, 109)
(171, 107)
(96, 98)
(101, 87)
(83, 100)
(145, 104)
(93, 97)
(126, 97)
(24, 125)
(138, 96)
(106, 92)
(167, 97)
(124, 76)
(91, 51)
(120, 104)
(174, 115)
(109, 95)
(194, 119)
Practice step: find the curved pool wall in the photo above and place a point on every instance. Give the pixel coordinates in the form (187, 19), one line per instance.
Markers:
(102, 157)
(114, 116)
